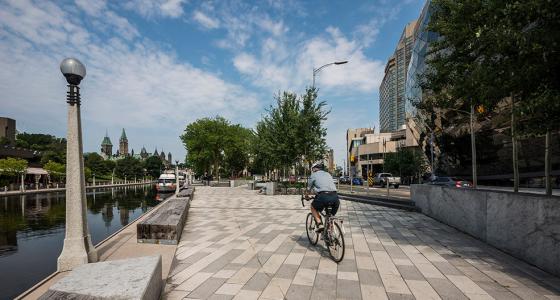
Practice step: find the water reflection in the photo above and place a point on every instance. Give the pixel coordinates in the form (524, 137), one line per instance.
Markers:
(32, 229)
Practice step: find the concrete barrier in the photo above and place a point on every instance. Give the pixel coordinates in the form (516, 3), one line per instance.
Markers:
(526, 226)
(133, 278)
(271, 188)
(238, 182)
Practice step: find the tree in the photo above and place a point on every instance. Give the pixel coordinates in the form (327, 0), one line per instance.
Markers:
(311, 133)
(4, 141)
(57, 171)
(12, 167)
(493, 52)
(51, 147)
(406, 162)
(206, 141)
(153, 166)
(109, 165)
(97, 164)
(292, 132)
(129, 167)
(237, 151)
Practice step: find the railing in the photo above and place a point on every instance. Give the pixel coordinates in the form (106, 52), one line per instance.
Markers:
(32, 187)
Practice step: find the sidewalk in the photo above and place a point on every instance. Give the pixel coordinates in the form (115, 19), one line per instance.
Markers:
(240, 245)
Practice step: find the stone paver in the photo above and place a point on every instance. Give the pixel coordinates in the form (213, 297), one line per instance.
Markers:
(241, 245)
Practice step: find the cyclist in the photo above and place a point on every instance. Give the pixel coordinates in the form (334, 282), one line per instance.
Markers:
(322, 184)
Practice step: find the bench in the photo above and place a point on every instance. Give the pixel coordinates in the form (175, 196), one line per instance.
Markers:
(165, 225)
(133, 278)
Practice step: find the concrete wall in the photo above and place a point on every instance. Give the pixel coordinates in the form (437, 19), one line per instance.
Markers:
(238, 182)
(526, 226)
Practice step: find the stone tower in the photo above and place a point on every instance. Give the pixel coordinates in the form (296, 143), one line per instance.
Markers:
(162, 156)
(143, 153)
(123, 144)
(169, 158)
(106, 146)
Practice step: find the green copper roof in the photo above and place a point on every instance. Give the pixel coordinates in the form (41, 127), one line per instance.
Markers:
(123, 135)
(106, 141)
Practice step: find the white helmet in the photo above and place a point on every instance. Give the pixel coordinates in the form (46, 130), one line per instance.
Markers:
(318, 165)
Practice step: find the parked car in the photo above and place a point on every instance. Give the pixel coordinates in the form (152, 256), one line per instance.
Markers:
(344, 179)
(357, 181)
(451, 182)
(383, 179)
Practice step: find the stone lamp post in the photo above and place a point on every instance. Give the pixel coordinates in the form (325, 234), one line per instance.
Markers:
(177, 177)
(77, 249)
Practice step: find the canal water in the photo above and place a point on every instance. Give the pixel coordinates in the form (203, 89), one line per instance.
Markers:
(32, 229)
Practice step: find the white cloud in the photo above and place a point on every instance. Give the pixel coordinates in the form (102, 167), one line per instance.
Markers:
(280, 67)
(205, 20)
(93, 8)
(135, 84)
(156, 8)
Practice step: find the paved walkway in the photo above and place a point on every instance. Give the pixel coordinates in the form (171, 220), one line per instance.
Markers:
(240, 245)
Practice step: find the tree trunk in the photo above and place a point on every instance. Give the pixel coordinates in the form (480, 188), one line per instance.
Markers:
(473, 149)
(216, 167)
(514, 149)
(547, 164)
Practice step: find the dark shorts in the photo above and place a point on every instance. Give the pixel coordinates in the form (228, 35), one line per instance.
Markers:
(323, 200)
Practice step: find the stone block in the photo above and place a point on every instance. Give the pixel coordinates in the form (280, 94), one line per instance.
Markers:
(134, 278)
(271, 188)
(526, 226)
(165, 225)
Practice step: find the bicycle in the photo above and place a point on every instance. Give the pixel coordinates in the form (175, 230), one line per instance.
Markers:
(333, 234)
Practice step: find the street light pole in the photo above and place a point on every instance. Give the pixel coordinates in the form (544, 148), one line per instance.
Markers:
(77, 248)
(315, 71)
(176, 177)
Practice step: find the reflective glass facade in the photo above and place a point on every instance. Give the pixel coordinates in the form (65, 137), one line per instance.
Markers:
(392, 90)
(417, 65)
(452, 151)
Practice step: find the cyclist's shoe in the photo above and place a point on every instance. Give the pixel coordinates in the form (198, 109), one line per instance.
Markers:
(320, 228)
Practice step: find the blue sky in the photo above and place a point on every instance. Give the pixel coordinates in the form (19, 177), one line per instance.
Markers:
(154, 66)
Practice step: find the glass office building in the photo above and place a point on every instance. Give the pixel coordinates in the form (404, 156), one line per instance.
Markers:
(451, 143)
(392, 89)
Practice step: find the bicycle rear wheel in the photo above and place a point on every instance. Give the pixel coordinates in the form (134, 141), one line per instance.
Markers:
(310, 226)
(336, 243)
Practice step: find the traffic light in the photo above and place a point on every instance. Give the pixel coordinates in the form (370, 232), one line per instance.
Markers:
(480, 109)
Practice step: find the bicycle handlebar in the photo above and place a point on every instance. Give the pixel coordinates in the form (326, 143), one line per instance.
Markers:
(304, 198)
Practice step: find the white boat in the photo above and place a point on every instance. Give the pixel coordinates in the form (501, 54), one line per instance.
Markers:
(166, 183)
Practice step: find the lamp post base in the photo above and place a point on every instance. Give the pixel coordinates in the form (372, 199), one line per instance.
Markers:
(73, 254)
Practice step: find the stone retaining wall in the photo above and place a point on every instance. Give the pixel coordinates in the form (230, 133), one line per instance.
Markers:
(526, 226)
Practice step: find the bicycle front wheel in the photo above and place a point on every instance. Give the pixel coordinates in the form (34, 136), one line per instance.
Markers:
(310, 226)
(336, 243)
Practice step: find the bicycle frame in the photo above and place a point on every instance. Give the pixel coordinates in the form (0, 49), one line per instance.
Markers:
(326, 218)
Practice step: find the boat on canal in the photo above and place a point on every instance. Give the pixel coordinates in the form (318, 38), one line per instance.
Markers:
(166, 183)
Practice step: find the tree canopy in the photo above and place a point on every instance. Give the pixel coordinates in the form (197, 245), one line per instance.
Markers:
(129, 167)
(12, 167)
(153, 166)
(292, 131)
(212, 142)
(491, 50)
